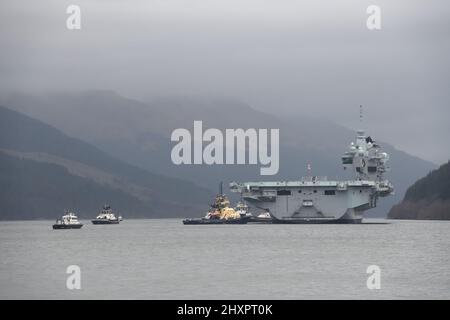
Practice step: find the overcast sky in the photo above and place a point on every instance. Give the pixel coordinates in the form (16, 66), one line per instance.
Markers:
(297, 57)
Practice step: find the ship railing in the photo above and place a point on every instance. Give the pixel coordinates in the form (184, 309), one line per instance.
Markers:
(314, 178)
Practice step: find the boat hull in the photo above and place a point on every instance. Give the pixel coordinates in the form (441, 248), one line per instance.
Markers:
(67, 226)
(317, 221)
(260, 220)
(214, 221)
(104, 221)
(313, 204)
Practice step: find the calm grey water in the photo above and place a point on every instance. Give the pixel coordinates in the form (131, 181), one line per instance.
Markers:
(162, 259)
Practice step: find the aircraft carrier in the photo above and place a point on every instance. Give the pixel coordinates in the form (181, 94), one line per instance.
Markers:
(316, 200)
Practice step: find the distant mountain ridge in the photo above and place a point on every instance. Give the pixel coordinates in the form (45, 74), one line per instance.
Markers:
(428, 198)
(44, 171)
(139, 133)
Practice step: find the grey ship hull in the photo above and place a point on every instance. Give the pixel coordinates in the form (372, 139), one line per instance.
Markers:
(316, 221)
(306, 202)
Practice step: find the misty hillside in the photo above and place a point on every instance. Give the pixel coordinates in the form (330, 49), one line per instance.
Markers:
(139, 133)
(44, 171)
(428, 198)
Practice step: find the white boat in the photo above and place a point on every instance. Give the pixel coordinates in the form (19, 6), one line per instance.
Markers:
(243, 210)
(68, 221)
(106, 216)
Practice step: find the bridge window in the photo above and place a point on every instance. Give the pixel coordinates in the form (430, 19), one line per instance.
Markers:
(330, 192)
(284, 192)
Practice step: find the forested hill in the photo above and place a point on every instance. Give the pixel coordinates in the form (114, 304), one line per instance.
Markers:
(428, 198)
(44, 171)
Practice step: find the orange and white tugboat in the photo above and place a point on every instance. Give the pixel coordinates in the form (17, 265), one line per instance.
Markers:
(220, 213)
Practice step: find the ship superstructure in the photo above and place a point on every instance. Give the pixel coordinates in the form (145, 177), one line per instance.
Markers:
(315, 199)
